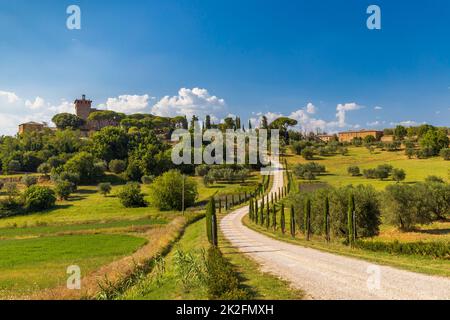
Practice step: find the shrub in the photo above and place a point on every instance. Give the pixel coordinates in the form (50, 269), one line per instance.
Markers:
(439, 250)
(117, 166)
(370, 173)
(410, 152)
(83, 164)
(147, 179)
(133, 171)
(431, 179)
(202, 170)
(222, 281)
(14, 166)
(11, 189)
(166, 192)
(1, 184)
(404, 207)
(28, 180)
(398, 175)
(445, 153)
(64, 188)
(353, 171)
(37, 198)
(131, 196)
(308, 153)
(44, 168)
(105, 188)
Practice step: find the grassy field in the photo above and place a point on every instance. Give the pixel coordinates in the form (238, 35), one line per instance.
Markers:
(90, 227)
(336, 166)
(167, 285)
(32, 264)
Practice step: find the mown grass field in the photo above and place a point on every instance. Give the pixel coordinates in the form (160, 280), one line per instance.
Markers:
(33, 264)
(336, 166)
(169, 286)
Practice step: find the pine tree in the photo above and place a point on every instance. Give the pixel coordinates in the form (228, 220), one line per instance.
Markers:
(292, 221)
(282, 219)
(327, 219)
(308, 219)
(350, 219)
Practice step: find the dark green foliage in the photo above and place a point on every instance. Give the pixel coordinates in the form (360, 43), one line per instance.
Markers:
(274, 218)
(147, 179)
(326, 218)
(221, 280)
(267, 217)
(398, 174)
(166, 192)
(211, 222)
(437, 250)
(292, 218)
(261, 218)
(445, 153)
(131, 196)
(256, 211)
(37, 198)
(28, 180)
(83, 164)
(350, 219)
(307, 223)
(353, 171)
(105, 188)
(64, 188)
(282, 220)
(67, 121)
(117, 166)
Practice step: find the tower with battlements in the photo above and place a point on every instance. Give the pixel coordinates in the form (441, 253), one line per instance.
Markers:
(83, 107)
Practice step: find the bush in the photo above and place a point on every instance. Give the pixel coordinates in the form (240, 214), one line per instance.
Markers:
(353, 171)
(1, 184)
(404, 207)
(117, 166)
(445, 153)
(11, 189)
(131, 196)
(45, 168)
(308, 153)
(166, 191)
(439, 250)
(37, 198)
(221, 280)
(83, 164)
(133, 171)
(14, 166)
(28, 180)
(147, 179)
(431, 179)
(105, 188)
(398, 175)
(64, 188)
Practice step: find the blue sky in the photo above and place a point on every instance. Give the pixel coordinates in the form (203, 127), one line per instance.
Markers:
(312, 60)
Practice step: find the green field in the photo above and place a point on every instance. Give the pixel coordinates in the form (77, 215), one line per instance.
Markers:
(31, 264)
(336, 166)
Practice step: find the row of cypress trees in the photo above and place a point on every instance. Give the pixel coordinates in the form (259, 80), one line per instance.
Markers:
(262, 212)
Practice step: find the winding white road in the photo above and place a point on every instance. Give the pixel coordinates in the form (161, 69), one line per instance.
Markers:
(327, 276)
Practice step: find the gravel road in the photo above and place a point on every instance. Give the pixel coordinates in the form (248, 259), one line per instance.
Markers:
(327, 276)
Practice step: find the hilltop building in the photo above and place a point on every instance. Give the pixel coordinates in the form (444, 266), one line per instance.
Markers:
(31, 126)
(348, 136)
(325, 137)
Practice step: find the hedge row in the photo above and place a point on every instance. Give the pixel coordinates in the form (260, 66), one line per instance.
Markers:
(436, 249)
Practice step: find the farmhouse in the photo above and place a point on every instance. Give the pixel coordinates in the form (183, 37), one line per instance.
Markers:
(325, 137)
(30, 127)
(348, 136)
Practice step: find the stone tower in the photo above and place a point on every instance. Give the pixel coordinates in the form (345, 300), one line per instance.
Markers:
(83, 107)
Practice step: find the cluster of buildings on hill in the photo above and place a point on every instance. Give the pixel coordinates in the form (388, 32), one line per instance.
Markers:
(83, 108)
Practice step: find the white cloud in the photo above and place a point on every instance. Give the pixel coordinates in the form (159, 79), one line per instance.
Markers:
(375, 123)
(190, 102)
(64, 107)
(127, 103)
(378, 108)
(342, 109)
(38, 103)
(310, 108)
(10, 97)
(407, 123)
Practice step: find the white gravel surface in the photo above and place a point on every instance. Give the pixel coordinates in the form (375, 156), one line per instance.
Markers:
(327, 276)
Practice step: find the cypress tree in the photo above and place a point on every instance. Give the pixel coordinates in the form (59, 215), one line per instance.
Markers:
(267, 215)
(274, 218)
(250, 211)
(282, 219)
(327, 219)
(226, 203)
(210, 212)
(256, 211)
(292, 221)
(271, 198)
(220, 205)
(214, 234)
(308, 219)
(350, 219)
(245, 196)
(262, 212)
